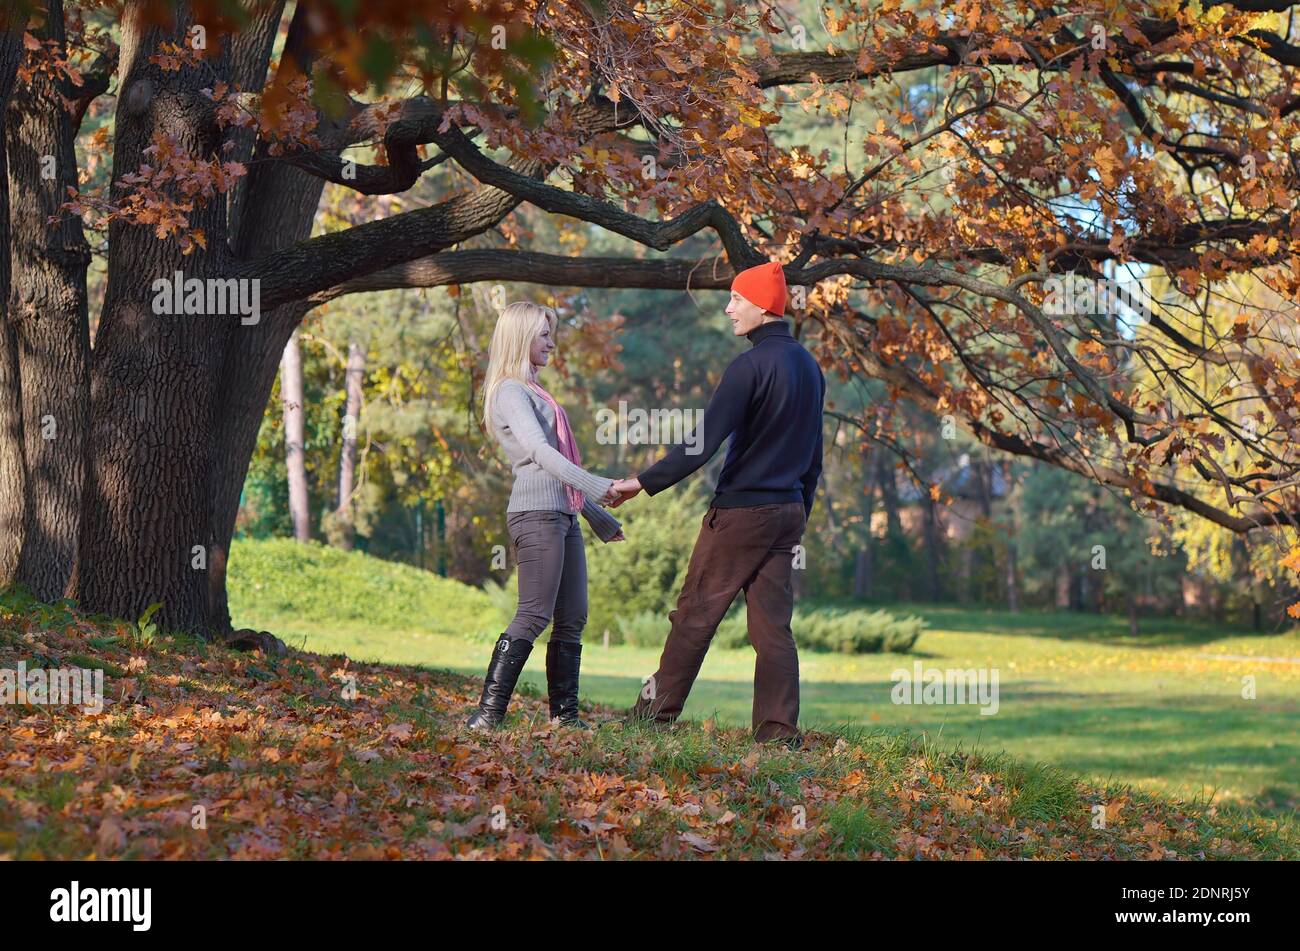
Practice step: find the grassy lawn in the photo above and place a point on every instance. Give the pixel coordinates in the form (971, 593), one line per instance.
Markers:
(1162, 712)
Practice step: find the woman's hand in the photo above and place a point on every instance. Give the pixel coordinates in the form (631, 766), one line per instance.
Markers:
(620, 537)
(625, 489)
(612, 496)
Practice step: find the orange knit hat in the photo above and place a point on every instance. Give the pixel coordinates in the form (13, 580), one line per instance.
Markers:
(763, 286)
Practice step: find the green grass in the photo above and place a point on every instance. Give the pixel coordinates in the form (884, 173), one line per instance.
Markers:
(321, 585)
(1161, 712)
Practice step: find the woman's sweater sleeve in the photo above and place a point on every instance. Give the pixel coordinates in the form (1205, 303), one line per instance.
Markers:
(515, 410)
(605, 526)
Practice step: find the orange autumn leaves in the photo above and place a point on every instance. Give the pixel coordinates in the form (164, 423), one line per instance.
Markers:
(205, 753)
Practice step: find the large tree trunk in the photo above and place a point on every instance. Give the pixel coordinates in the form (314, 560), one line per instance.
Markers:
(47, 305)
(146, 525)
(291, 396)
(348, 455)
(273, 208)
(13, 481)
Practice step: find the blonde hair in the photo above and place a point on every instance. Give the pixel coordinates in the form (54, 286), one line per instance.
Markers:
(509, 352)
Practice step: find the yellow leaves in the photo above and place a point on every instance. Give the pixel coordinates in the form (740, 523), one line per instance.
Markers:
(1292, 561)
(960, 803)
(751, 115)
(1107, 166)
(75, 763)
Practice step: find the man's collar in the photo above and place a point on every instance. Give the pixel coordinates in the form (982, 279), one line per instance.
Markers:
(769, 329)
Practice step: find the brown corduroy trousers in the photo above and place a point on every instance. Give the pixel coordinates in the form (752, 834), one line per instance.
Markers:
(748, 549)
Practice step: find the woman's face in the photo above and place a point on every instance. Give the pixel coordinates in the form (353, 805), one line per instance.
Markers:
(540, 351)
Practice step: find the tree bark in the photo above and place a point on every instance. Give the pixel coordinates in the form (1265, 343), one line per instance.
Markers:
(13, 475)
(146, 525)
(47, 305)
(294, 438)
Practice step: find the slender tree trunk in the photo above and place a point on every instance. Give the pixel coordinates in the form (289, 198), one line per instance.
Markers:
(1062, 599)
(933, 549)
(865, 558)
(896, 543)
(294, 438)
(888, 495)
(47, 304)
(1013, 526)
(348, 455)
(966, 589)
(1013, 582)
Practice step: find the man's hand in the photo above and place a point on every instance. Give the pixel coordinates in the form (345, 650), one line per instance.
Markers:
(624, 489)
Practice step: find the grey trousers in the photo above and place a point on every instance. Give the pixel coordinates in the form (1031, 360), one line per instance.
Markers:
(552, 575)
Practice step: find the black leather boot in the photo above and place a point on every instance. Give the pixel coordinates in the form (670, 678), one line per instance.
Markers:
(563, 658)
(508, 658)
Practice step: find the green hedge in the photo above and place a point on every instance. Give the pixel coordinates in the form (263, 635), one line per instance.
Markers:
(844, 630)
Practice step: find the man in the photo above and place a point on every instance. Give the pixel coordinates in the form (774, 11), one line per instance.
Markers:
(769, 402)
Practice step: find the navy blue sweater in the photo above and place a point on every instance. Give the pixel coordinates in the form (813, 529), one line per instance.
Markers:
(769, 402)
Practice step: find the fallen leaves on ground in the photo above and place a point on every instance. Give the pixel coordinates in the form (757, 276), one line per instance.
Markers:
(202, 752)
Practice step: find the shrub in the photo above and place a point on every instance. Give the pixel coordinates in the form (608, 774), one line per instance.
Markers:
(644, 573)
(844, 630)
(643, 629)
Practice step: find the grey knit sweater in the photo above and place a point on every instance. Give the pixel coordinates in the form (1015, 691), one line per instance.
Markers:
(524, 424)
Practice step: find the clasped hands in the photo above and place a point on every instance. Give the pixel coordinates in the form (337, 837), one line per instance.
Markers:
(621, 491)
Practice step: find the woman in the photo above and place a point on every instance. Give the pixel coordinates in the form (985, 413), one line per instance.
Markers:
(550, 489)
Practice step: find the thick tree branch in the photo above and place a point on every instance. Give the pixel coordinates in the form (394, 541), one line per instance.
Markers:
(309, 267)
(555, 270)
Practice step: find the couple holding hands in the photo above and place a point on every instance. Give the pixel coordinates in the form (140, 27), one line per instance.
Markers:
(769, 402)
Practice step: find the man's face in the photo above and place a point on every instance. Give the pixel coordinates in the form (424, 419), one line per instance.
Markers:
(745, 315)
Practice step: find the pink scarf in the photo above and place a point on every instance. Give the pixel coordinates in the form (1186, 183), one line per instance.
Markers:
(568, 445)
